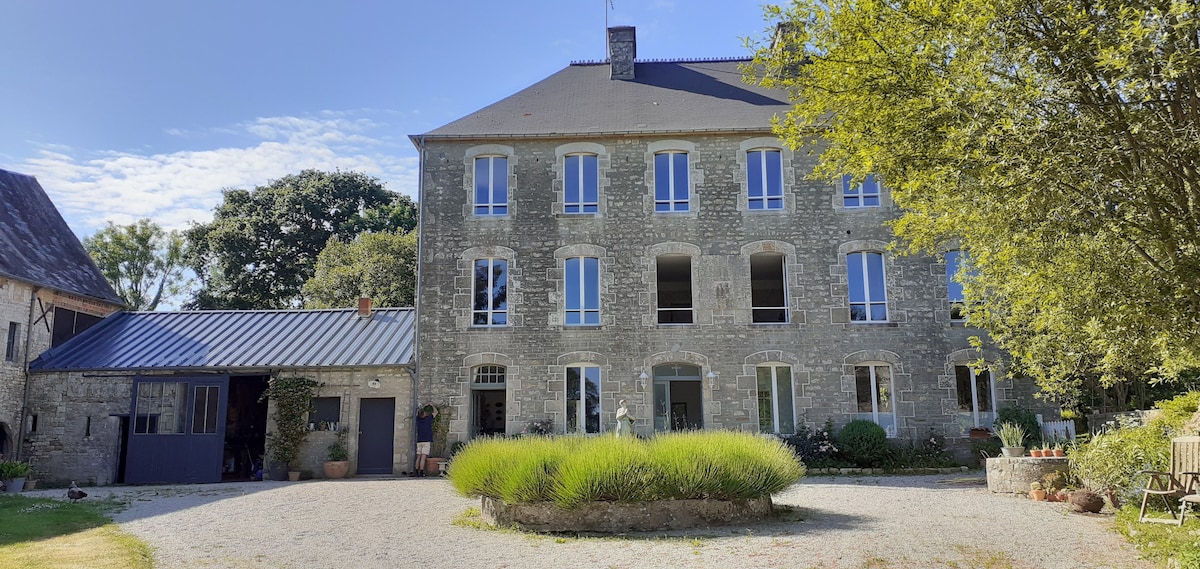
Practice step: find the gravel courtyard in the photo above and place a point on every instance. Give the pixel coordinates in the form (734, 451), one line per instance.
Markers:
(838, 522)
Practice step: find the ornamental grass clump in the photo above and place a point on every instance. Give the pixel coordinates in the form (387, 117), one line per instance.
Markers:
(572, 470)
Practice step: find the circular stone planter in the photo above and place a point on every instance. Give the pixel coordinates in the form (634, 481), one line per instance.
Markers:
(1015, 474)
(620, 517)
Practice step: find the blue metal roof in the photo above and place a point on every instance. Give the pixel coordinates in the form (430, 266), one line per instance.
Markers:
(232, 339)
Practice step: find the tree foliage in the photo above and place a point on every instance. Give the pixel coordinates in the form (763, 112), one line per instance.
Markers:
(1055, 141)
(142, 262)
(262, 244)
(382, 266)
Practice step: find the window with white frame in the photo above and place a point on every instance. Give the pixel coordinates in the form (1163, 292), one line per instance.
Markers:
(976, 395)
(491, 185)
(583, 399)
(582, 275)
(875, 396)
(768, 288)
(674, 289)
(861, 194)
(868, 295)
(764, 179)
(776, 408)
(671, 181)
(490, 295)
(954, 288)
(581, 184)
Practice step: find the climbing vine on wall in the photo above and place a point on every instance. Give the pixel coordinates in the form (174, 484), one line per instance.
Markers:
(292, 397)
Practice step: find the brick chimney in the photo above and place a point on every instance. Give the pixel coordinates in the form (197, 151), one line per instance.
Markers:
(364, 307)
(622, 50)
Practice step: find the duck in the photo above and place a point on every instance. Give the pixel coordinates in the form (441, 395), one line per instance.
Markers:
(74, 493)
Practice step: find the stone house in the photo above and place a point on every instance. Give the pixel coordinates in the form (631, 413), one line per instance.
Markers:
(629, 230)
(50, 290)
(160, 397)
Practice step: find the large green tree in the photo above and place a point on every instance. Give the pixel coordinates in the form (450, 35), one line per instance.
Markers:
(142, 262)
(382, 266)
(262, 244)
(1055, 141)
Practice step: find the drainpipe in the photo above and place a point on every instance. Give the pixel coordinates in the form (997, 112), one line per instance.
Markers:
(25, 373)
(416, 366)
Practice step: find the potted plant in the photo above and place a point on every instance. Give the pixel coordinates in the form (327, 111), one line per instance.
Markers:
(1037, 492)
(338, 464)
(1012, 439)
(1036, 452)
(292, 397)
(1058, 450)
(13, 473)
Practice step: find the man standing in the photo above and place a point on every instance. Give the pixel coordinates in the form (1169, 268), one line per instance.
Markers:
(424, 437)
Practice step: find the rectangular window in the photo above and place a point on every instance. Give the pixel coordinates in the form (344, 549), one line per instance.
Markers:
(764, 179)
(325, 414)
(674, 289)
(976, 396)
(583, 399)
(865, 194)
(11, 347)
(69, 323)
(581, 184)
(671, 181)
(583, 291)
(161, 408)
(491, 185)
(205, 409)
(874, 395)
(776, 413)
(868, 297)
(954, 288)
(490, 293)
(768, 288)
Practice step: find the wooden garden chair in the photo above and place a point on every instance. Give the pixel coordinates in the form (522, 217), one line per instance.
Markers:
(1183, 481)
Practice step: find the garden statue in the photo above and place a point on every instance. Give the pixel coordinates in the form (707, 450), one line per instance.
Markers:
(624, 421)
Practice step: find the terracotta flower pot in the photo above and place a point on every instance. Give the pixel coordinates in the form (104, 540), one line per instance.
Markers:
(294, 475)
(336, 468)
(1038, 495)
(1035, 453)
(1060, 453)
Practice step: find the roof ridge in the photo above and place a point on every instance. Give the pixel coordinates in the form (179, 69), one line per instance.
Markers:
(263, 310)
(582, 62)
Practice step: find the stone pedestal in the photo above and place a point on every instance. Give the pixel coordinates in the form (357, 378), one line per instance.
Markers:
(1015, 474)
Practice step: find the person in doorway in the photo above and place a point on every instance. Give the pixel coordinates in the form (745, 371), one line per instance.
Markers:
(424, 437)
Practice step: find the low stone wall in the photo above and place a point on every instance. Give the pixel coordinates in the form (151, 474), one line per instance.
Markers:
(903, 471)
(619, 517)
(1015, 474)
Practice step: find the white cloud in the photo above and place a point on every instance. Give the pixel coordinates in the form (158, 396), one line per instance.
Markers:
(178, 187)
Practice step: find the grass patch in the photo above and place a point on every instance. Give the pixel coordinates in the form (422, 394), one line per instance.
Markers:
(1161, 542)
(37, 533)
(572, 470)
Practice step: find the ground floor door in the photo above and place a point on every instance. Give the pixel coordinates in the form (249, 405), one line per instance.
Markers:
(678, 398)
(376, 435)
(177, 430)
(487, 412)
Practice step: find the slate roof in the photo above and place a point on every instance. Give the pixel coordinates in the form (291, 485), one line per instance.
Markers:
(664, 97)
(38, 247)
(220, 340)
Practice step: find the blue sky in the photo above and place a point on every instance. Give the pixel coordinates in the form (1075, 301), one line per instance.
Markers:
(127, 109)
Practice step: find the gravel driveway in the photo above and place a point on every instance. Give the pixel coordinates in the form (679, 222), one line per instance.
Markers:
(838, 522)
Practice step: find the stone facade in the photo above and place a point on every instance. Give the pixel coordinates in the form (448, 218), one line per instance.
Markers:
(79, 427)
(813, 231)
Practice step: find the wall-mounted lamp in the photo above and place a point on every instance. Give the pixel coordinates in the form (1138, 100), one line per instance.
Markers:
(374, 383)
(712, 378)
(642, 377)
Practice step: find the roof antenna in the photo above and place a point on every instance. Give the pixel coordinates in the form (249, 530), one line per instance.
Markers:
(608, 6)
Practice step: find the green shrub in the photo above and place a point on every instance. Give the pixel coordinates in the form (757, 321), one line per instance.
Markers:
(1111, 459)
(929, 452)
(816, 448)
(1175, 413)
(1025, 419)
(572, 470)
(863, 442)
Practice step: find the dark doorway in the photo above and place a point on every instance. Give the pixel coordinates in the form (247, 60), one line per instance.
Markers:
(678, 398)
(245, 428)
(376, 435)
(123, 449)
(489, 411)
